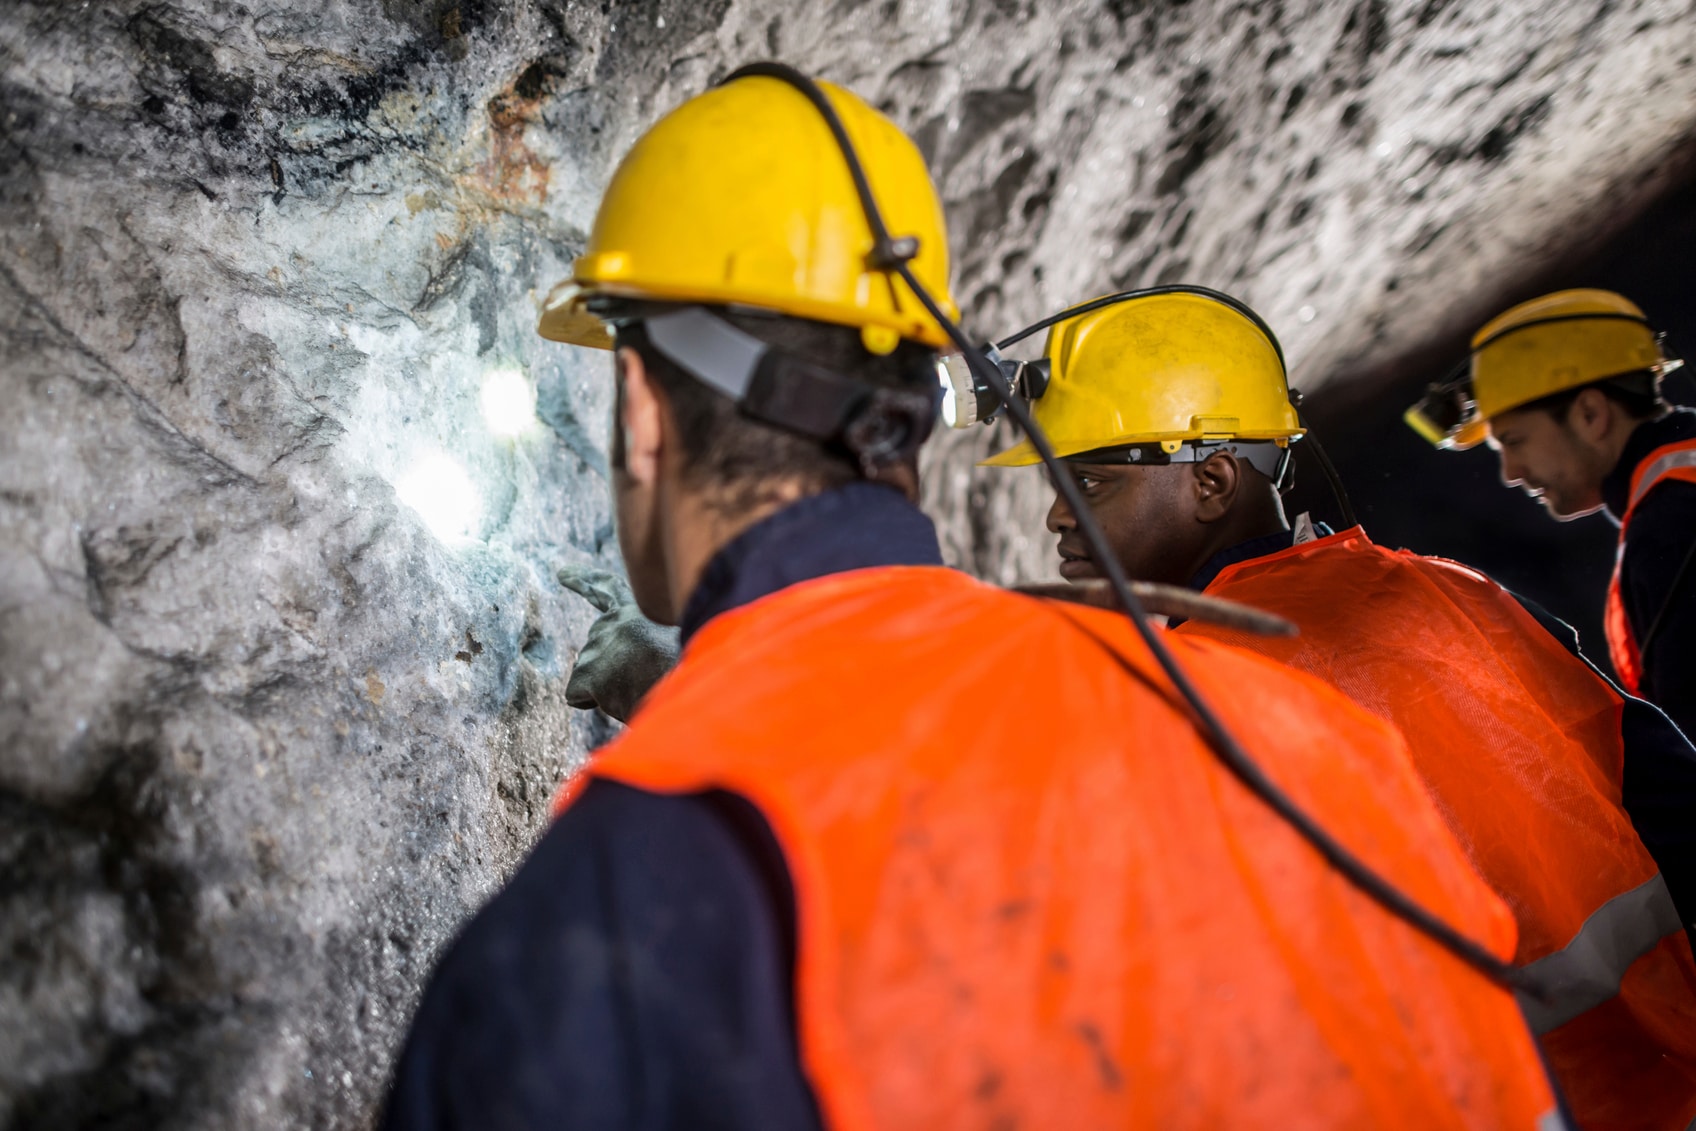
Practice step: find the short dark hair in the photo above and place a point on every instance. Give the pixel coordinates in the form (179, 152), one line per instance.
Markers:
(1638, 393)
(737, 459)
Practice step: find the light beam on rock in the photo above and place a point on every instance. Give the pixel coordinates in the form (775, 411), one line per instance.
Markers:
(439, 489)
(509, 403)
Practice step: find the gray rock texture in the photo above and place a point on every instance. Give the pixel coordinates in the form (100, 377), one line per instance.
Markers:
(1371, 176)
(281, 654)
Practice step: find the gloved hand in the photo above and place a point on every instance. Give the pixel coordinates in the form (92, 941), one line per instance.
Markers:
(626, 653)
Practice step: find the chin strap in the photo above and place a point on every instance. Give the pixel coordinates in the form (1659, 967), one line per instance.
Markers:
(880, 426)
(1266, 456)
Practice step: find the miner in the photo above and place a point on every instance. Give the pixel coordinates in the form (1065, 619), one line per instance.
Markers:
(891, 848)
(1173, 408)
(1567, 389)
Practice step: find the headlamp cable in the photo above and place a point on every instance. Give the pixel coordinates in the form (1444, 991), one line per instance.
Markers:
(895, 255)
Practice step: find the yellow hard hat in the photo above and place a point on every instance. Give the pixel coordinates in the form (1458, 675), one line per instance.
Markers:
(1551, 344)
(1169, 367)
(743, 196)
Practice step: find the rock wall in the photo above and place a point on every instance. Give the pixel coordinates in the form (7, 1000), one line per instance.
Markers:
(286, 474)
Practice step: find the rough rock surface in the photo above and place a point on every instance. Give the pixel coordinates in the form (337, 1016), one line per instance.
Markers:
(281, 655)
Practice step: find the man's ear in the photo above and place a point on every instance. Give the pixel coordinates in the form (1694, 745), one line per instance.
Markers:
(1591, 415)
(1217, 479)
(640, 418)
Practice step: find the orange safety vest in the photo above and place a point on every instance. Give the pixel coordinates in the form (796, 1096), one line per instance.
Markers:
(1520, 743)
(1028, 895)
(1674, 461)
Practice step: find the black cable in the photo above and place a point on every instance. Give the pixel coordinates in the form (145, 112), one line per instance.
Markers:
(1587, 316)
(887, 251)
(896, 255)
(1311, 440)
(1230, 752)
(1095, 304)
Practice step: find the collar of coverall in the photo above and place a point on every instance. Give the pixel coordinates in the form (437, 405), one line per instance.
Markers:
(857, 526)
(1675, 427)
(1275, 542)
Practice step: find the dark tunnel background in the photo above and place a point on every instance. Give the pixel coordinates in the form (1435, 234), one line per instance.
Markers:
(1452, 504)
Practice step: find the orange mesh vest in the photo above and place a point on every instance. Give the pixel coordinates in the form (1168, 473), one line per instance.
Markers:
(1029, 896)
(1674, 461)
(1520, 744)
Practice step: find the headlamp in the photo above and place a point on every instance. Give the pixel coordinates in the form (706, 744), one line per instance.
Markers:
(967, 400)
(1439, 414)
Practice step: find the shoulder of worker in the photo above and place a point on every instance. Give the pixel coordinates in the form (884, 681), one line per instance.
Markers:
(1565, 633)
(641, 955)
(919, 633)
(1662, 527)
(921, 653)
(1676, 427)
(1493, 594)
(1358, 552)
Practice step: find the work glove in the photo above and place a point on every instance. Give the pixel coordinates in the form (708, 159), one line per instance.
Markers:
(626, 653)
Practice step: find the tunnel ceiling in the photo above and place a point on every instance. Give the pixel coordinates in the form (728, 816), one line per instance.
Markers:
(287, 474)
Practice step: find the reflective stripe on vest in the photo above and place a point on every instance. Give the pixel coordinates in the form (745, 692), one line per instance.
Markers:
(1520, 743)
(1658, 467)
(1673, 461)
(1588, 970)
(1057, 909)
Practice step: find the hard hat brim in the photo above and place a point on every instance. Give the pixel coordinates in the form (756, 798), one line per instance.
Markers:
(1022, 454)
(1468, 435)
(566, 319)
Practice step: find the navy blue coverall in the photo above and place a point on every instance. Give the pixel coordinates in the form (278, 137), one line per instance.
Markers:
(1660, 537)
(637, 972)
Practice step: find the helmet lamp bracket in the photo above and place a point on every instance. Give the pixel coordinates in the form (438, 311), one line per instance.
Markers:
(1669, 360)
(878, 425)
(1445, 406)
(1230, 301)
(968, 400)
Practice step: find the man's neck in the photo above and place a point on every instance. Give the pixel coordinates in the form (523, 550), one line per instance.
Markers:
(1618, 439)
(1255, 516)
(1237, 528)
(700, 527)
(858, 526)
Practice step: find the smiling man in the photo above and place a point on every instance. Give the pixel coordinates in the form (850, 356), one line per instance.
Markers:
(1566, 389)
(1173, 411)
